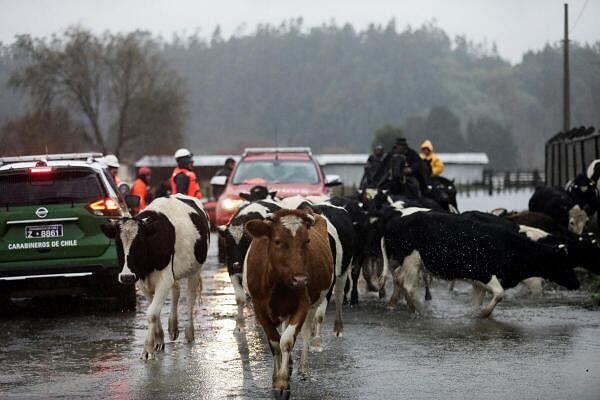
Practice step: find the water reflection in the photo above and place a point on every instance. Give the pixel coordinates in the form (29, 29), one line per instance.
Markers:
(544, 346)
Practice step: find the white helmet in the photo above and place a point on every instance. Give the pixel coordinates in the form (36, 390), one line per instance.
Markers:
(111, 160)
(182, 153)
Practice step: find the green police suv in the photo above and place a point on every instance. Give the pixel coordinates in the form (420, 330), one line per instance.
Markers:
(51, 209)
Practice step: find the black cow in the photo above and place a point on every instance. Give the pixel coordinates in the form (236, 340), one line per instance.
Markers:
(237, 241)
(455, 247)
(166, 242)
(443, 191)
(561, 206)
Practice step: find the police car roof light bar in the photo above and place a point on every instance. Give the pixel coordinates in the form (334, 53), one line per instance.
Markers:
(50, 157)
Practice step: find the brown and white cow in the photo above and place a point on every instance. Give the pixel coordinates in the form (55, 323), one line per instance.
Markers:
(288, 271)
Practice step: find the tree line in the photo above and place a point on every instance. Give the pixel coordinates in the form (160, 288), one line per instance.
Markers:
(330, 87)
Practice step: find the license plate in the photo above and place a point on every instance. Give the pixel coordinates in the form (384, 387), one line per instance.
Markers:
(43, 231)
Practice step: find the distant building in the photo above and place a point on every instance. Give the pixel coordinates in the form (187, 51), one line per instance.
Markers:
(463, 167)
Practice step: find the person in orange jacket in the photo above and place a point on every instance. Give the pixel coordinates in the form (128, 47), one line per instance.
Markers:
(141, 188)
(435, 163)
(183, 179)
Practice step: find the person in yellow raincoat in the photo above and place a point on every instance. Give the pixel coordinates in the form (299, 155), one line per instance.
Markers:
(436, 166)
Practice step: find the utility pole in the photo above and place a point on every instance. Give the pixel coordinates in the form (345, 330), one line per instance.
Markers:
(566, 78)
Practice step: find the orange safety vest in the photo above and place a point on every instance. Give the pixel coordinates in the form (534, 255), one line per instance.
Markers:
(140, 188)
(193, 187)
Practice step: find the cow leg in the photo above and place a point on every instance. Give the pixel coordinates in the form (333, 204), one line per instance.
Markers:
(355, 274)
(398, 292)
(346, 290)
(386, 264)
(240, 300)
(451, 286)
(273, 338)
(534, 285)
(477, 295)
(427, 279)
(286, 344)
(173, 319)
(338, 325)
(409, 278)
(382, 292)
(194, 282)
(154, 338)
(317, 342)
(494, 287)
(305, 333)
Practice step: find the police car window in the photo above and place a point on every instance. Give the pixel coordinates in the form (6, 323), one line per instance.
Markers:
(276, 171)
(64, 186)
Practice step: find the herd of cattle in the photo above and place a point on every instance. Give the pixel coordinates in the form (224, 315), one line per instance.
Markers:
(291, 255)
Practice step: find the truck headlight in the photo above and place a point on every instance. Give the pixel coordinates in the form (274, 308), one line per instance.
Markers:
(231, 204)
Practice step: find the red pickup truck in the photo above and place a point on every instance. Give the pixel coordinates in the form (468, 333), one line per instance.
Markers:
(287, 170)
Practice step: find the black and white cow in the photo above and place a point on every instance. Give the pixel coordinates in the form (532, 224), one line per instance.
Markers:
(237, 241)
(583, 191)
(373, 270)
(534, 233)
(454, 247)
(355, 211)
(163, 244)
(583, 249)
(593, 172)
(342, 241)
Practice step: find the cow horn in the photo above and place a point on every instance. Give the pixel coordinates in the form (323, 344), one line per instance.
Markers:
(310, 220)
(563, 247)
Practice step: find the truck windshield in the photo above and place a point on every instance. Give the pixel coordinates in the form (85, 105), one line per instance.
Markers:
(21, 188)
(277, 171)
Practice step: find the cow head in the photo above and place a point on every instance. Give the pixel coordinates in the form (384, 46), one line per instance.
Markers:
(287, 233)
(237, 240)
(129, 235)
(559, 270)
(578, 218)
(443, 191)
(372, 267)
(258, 192)
(586, 253)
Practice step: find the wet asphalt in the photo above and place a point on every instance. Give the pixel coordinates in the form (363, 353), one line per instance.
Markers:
(531, 348)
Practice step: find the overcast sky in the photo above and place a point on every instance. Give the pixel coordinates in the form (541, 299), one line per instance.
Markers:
(515, 25)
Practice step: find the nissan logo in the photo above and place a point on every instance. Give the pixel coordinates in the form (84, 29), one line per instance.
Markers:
(41, 212)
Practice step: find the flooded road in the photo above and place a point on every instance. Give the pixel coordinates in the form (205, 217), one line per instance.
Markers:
(546, 348)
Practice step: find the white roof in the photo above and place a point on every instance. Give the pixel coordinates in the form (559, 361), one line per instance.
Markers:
(464, 158)
(448, 158)
(325, 159)
(322, 159)
(169, 161)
